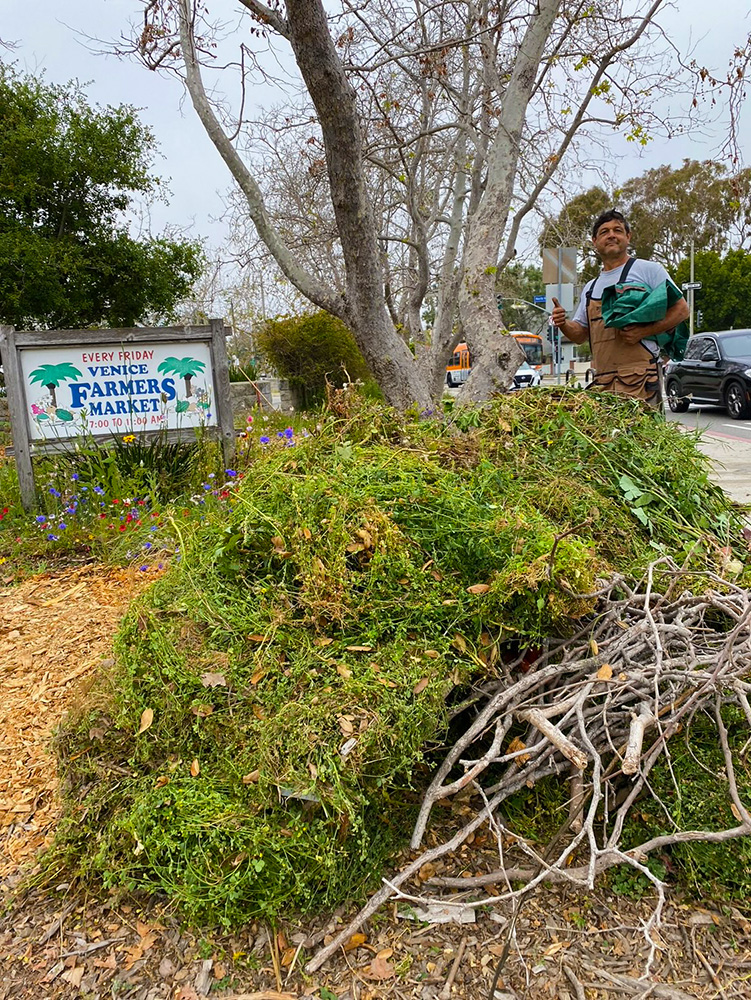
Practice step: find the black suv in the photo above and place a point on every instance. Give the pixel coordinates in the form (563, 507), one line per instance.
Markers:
(716, 369)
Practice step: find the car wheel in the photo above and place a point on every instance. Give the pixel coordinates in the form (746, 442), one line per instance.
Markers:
(737, 401)
(676, 402)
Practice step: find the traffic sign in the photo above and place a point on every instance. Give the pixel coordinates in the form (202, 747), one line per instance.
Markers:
(688, 285)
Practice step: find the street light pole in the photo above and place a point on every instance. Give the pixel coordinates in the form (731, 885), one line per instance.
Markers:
(691, 295)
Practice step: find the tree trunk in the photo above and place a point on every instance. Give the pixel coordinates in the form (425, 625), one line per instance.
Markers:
(388, 357)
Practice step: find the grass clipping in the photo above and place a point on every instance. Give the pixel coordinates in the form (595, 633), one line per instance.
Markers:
(261, 746)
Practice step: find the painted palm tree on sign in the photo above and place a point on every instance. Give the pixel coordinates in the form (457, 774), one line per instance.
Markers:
(51, 376)
(185, 368)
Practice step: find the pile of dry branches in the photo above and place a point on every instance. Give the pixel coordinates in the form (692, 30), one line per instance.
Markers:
(654, 655)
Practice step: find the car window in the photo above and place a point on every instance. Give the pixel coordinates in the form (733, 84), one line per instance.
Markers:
(709, 351)
(694, 348)
(738, 345)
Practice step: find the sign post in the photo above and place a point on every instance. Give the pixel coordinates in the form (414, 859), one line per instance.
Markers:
(559, 275)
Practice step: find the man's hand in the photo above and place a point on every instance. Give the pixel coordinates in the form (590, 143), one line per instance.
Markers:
(634, 333)
(558, 315)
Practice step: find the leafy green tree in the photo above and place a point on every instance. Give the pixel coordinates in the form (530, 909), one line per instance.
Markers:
(723, 300)
(69, 173)
(700, 201)
(310, 350)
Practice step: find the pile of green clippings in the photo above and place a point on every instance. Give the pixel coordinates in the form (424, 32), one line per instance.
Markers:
(279, 690)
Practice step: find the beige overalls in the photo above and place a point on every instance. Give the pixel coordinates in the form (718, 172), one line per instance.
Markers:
(629, 369)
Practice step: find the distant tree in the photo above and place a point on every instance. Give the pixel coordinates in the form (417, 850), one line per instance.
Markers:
(69, 173)
(723, 300)
(700, 201)
(310, 350)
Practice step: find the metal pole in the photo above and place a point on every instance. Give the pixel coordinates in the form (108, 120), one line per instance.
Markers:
(557, 346)
(691, 295)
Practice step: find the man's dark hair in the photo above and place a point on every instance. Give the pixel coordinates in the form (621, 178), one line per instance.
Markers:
(611, 215)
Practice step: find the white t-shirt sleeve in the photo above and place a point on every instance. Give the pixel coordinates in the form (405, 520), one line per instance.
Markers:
(580, 315)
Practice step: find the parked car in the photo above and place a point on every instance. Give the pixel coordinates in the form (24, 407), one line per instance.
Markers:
(716, 369)
(525, 377)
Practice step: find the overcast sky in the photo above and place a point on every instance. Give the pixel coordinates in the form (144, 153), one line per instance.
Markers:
(51, 37)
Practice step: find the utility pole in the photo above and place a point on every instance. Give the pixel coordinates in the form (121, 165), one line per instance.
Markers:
(691, 295)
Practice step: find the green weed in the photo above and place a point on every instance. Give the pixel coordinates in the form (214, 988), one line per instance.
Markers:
(278, 692)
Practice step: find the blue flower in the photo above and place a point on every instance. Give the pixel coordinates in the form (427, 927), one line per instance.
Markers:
(54, 492)
(40, 518)
(74, 477)
(148, 545)
(51, 537)
(207, 487)
(230, 472)
(143, 569)
(264, 439)
(280, 434)
(289, 433)
(62, 526)
(99, 490)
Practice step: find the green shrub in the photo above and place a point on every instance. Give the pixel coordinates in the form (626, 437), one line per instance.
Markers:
(310, 351)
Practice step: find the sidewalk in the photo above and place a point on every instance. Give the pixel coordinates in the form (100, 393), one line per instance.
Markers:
(731, 460)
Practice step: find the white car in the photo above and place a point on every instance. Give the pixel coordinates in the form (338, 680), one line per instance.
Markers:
(526, 376)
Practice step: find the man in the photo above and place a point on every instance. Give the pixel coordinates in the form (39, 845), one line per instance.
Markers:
(626, 360)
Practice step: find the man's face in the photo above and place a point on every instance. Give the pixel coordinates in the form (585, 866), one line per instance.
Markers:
(612, 240)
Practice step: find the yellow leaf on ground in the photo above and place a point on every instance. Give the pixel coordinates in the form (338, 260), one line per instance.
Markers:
(355, 941)
(195, 768)
(252, 777)
(343, 671)
(421, 685)
(359, 649)
(147, 717)
(478, 588)
(605, 672)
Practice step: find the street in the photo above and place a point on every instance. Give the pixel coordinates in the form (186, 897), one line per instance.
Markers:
(713, 420)
(727, 442)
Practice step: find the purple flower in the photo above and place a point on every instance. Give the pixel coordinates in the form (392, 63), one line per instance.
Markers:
(230, 472)
(62, 526)
(143, 569)
(280, 434)
(264, 439)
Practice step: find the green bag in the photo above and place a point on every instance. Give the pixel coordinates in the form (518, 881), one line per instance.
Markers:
(630, 302)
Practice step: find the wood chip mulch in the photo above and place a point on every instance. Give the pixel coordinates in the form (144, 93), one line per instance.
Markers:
(72, 941)
(55, 631)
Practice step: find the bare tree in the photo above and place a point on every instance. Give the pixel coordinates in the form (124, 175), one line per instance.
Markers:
(418, 139)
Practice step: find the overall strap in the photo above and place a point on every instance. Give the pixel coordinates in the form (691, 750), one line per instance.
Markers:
(624, 274)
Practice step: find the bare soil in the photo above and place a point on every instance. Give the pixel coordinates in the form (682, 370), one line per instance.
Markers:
(72, 940)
